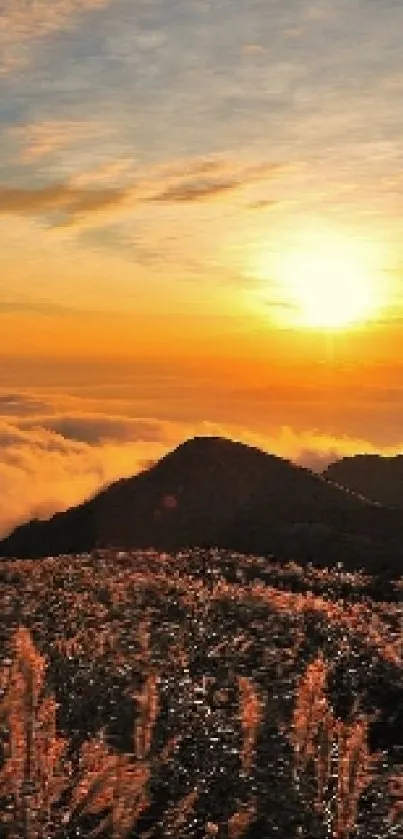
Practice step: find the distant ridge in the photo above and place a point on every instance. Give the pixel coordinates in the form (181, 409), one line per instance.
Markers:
(214, 492)
(378, 478)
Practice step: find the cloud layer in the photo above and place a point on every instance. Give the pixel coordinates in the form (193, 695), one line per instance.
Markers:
(50, 463)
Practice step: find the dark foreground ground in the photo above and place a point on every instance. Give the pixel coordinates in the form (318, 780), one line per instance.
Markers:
(200, 694)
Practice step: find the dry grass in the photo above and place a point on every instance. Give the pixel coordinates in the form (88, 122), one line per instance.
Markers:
(149, 624)
(36, 774)
(396, 792)
(251, 714)
(338, 751)
(240, 821)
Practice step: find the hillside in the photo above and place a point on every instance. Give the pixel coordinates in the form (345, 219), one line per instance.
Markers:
(194, 695)
(214, 492)
(378, 478)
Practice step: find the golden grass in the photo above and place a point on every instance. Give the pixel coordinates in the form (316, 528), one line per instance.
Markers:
(36, 773)
(338, 751)
(251, 714)
(102, 612)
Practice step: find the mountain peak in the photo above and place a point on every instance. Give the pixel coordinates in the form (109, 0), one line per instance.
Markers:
(212, 443)
(214, 492)
(200, 452)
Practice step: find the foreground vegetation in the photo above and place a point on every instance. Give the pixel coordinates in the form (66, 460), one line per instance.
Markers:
(195, 695)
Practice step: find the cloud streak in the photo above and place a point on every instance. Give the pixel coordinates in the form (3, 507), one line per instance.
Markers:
(199, 181)
(94, 429)
(57, 198)
(39, 140)
(206, 188)
(18, 404)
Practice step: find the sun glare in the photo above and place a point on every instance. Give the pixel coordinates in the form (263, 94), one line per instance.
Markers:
(325, 282)
(330, 290)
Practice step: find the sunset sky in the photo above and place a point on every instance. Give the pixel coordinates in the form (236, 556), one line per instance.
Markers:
(201, 231)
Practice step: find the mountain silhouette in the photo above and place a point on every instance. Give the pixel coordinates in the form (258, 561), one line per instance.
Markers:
(376, 477)
(213, 492)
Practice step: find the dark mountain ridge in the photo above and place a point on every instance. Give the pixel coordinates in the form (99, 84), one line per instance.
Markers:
(213, 492)
(377, 477)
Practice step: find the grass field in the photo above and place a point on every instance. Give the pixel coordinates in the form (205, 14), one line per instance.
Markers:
(200, 694)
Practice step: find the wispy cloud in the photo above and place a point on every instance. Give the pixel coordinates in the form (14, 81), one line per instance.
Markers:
(200, 180)
(262, 204)
(36, 306)
(209, 187)
(194, 191)
(59, 197)
(37, 140)
(94, 429)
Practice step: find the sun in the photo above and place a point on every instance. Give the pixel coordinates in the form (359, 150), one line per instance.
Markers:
(328, 289)
(327, 282)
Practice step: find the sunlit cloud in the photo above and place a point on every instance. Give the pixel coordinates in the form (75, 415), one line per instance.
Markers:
(36, 141)
(201, 181)
(43, 471)
(56, 198)
(202, 189)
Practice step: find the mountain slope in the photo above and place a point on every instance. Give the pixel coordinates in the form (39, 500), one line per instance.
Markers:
(378, 478)
(215, 492)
